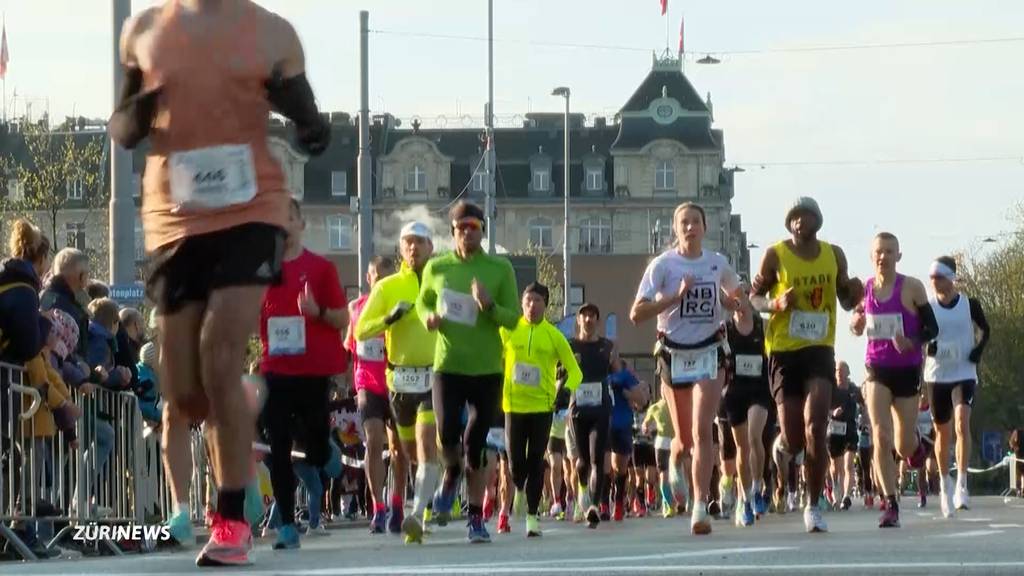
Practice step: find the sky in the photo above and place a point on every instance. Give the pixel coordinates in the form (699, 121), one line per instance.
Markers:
(926, 142)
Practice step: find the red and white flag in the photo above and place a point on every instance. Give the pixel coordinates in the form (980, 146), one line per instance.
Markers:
(4, 56)
(664, 7)
(682, 31)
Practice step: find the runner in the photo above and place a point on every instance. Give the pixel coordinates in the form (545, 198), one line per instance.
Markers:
(658, 421)
(560, 478)
(799, 281)
(456, 301)
(686, 289)
(590, 410)
(533, 350)
(214, 246)
(369, 363)
(897, 319)
(645, 468)
(866, 450)
(842, 436)
(301, 349)
(926, 431)
(951, 371)
(410, 353)
(747, 401)
(627, 392)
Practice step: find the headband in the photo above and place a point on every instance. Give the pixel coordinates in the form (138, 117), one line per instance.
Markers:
(943, 271)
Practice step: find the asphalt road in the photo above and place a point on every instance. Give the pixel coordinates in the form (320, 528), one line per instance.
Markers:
(985, 540)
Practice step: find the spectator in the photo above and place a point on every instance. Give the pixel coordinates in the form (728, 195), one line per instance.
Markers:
(70, 276)
(19, 289)
(75, 371)
(102, 348)
(130, 337)
(96, 290)
(148, 388)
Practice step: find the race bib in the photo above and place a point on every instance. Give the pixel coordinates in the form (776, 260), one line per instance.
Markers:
(286, 336)
(809, 326)
(948, 352)
(695, 365)
(749, 365)
(589, 394)
(214, 177)
(496, 438)
(836, 428)
(458, 307)
(371, 350)
(526, 374)
(411, 380)
(884, 326)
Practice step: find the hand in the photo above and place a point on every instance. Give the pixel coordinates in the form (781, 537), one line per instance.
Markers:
(855, 289)
(433, 322)
(785, 301)
(483, 299)
(837, 413)
(87, 388)
(126, 374)
(688, 282)
(103, 374)
(307, 303)
(735, 301)
(902, 344)
(397, 312)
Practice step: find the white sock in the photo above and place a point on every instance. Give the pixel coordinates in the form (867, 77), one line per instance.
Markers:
(427, 477)
(182, 508)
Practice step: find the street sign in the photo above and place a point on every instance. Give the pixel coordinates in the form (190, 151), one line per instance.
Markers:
(128, 293)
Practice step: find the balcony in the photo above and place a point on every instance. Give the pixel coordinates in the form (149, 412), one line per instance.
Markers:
(595, 247)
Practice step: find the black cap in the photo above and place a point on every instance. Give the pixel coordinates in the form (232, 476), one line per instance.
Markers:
(466, 210)
(589, 307)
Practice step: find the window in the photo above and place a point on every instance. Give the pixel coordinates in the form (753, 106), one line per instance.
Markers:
(596, 235)
(541, 180)
(140, 240)
(339, 183)
(662, 233)
(417, 180)
(76, 190)
(339, 232)
(576, 296)
(478, 181)
(594, 179)
(664, 176)
(76, 235)
(541, 233)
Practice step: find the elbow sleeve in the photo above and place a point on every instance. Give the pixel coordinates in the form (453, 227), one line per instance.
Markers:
(131, 121)
(293, 97)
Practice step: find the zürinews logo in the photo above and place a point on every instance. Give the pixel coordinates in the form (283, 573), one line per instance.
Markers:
(121, 533)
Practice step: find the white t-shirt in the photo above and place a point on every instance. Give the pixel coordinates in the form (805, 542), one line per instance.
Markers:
(700, 314)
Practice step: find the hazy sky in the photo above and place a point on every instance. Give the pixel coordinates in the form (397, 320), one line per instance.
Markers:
(877, 105)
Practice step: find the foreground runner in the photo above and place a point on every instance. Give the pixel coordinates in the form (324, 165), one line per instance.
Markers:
(410, 353)
(951, 371)
(798, 284)
(533, 351)
(216, 244)
(897, 320)
(686, 289)
(456, 301)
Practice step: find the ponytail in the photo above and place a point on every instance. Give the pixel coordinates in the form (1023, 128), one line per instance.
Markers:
(27, 242)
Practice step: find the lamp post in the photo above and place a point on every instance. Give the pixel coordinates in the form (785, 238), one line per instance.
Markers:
(564, 92)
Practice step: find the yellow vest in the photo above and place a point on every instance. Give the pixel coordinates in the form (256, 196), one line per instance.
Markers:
(811, 321)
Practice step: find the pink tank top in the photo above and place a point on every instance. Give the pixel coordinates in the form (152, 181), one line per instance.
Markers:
(368, 374)
(883, 320)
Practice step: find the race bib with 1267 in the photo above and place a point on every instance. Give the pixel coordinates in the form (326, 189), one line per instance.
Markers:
(213, 177)
(411, 380)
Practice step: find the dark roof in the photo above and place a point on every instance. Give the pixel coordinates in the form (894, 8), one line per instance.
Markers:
(677, 85)
(694, 133)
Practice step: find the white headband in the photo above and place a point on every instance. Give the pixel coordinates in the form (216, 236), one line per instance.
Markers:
(941, 270)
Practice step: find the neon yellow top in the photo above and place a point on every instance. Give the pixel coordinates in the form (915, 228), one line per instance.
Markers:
(811, 321)
(532, 355)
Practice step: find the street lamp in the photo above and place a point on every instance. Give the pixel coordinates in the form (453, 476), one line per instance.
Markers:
(709, 59)
(564, 92)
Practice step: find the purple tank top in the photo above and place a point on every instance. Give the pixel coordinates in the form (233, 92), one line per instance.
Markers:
(883, 319)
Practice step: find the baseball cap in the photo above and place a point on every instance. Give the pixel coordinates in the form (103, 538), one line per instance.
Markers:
(416, 229)
(589, 307)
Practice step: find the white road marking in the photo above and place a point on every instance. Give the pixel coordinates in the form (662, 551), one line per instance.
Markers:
(970, 534)
(975, 519)
(1005, 526)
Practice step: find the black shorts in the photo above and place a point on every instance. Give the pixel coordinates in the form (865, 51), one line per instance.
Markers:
(407, 407)
(739, 398)
(790, 371)
(191, 269)
(374, 406)
(663, 364)
(839, 445)
(556, 445)
(643, 456)
(662, 458)
(903, 382)
(621, 441)
(942, 398)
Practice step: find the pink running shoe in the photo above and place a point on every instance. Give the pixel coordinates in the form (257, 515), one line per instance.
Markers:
(229, 545)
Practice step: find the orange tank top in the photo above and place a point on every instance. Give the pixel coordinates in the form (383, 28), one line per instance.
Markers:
(213, 96)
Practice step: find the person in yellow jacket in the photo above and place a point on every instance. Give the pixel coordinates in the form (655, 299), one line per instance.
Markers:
(533, 351)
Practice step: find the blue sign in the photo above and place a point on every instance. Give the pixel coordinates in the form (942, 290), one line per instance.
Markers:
(128, 293)
(992, 446)
(611, 327)
(567, 326)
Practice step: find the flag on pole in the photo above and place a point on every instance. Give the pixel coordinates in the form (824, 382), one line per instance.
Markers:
(682, 29)
(664, 7)
(4, 56)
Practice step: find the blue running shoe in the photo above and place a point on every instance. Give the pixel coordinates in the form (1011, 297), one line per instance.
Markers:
(395, 520)
(748, 514)
(379, 523)
(443, 503)
(287, 538)
(477, 530)
(760, 505)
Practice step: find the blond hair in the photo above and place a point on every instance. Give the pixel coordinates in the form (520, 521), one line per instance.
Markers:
(27, 241)
(104, 311)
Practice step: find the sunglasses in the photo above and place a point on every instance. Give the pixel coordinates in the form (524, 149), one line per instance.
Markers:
(464, 225)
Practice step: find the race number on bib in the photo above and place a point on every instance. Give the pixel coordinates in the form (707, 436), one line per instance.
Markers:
(589, 394)
(695, 365)
(836, 428)
(213, 177)
(458, 307)
(948, 352)
(286, 336)
(411, 380)
(371, 350)
(527, 374)
(749, 365)
(884, 326)
(808, 325)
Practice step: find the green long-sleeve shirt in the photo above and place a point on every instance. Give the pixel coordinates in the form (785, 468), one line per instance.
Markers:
(468, 341)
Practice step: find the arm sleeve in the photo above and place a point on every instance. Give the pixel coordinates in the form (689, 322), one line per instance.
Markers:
(426, 302)
(373, 316)
(978, 317)
(131, 121)
(929, 325)
(293, 97)
(506, 302)
(568, 360)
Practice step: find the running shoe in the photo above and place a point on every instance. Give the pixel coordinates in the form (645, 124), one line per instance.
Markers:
(961, 498)
(229, 544)
(413, 530)
(287, 538)
(919, 457)
(667, 510)
(395, 519)
(443, 503)
(379, 524)
(180, 528)
(428, 516)
(578, 512)
(532, 526)
(700, 522)
(922, 501)
(519, 505)
(606, 514)
(318, 530)
(503, 524)
(593, 517)
(726, 488)
(619, 512)
(639, 508)
(556, 511)
(890, 518)
(946, 497)
(869, 501)
(744, 514)
(713, 508)
(477, 533)
(760, 504)
(488, 509)
(847, 504)
(791, 502)
(813, 520)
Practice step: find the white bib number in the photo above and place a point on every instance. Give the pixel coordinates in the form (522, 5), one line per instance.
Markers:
(836, 428)
(948, 352)
(809, 326)
(214, 177)
(589, 394)
(884, 326)
(411, 380)
(286, 336)
(527, 374)
(371, 350)
(749, 365)
(695, 365)
(458, 307)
